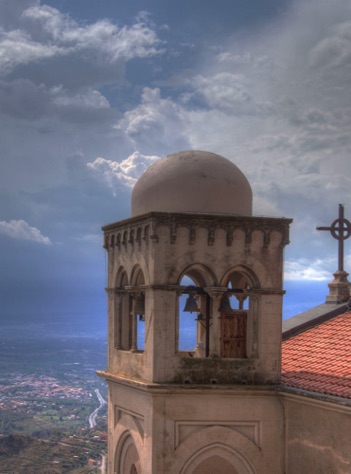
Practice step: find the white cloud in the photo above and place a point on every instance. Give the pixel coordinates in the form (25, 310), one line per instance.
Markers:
(224, 90)
(90, 99)
(43, 33)
(125, 173)
(20, 229)
(296, 151)
(333, 51)
(243, 59)
(305, 269)
(53, 69)
(24, 100)
(156, 125)
(17, 47)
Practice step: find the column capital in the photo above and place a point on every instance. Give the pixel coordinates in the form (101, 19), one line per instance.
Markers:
(215, 292)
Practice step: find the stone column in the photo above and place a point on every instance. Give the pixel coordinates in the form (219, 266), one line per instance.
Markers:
(252, 326)
(216, 295)
(117, 314)
(133, 346)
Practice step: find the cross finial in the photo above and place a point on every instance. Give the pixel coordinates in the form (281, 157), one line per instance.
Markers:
(340, 229)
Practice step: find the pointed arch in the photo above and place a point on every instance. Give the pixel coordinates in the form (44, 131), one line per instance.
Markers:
(129, 434)
(121, 279)
(240, 276)
(239, 327)
(137, 279)
(195, 339)
(137, 276)
(127, 456)
(201, 274)
(121, 311)
(226, 443)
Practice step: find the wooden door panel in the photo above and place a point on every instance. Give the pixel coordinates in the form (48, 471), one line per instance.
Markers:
(233, 334)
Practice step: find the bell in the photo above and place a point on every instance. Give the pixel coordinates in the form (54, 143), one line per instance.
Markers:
(139, 307)
(225, 304)
(191, 305)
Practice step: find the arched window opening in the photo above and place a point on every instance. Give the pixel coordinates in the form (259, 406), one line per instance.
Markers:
(127, 457)
(234, 318)
(238, 299)
(187, 327)
(194, 325)
(140, 321)
(122, 339)
(138, 311)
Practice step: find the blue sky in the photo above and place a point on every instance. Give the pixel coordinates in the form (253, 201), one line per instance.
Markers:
(94, 91)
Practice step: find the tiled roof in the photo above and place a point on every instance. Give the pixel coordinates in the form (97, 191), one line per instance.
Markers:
(319, 359)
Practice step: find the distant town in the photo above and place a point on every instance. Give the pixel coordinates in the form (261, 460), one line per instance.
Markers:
(53, 411)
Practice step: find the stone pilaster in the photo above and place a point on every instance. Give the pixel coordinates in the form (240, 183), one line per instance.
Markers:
(339, 288)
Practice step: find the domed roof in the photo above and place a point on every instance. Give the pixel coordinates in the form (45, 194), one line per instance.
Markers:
(195, 182)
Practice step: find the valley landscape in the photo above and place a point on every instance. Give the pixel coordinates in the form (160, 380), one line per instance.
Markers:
(53, 411)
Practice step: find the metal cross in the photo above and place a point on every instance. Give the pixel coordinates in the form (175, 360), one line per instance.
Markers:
(340, 230)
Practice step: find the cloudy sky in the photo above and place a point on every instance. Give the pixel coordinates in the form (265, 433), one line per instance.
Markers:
(93, 91)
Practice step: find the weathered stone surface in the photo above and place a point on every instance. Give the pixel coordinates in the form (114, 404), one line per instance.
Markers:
(317, 436)
(170, 411)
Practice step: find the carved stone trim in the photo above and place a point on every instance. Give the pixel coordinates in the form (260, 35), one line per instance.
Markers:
(147, 227)
(250, 429)
(138, 236)
(211, 235)
(119, 411)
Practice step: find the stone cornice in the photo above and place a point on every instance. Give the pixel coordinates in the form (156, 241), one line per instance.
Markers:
(203, 389)
(181, 289)
(316, 400)
(132, 231)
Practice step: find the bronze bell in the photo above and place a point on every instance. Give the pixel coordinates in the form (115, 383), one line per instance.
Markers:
(191, 305)
(225, 304)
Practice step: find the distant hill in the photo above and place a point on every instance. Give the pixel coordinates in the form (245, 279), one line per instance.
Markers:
(13, 444)
(22, 454)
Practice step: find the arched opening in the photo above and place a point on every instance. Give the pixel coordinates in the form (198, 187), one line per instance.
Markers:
(234, 326)
(127, 457)
(187, 324)
(129, 312)
(122, 338)
(138, 310)
(215, 465)
(217, 458)
(194, 311)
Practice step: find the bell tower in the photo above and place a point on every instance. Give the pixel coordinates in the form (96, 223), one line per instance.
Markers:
(192, 241)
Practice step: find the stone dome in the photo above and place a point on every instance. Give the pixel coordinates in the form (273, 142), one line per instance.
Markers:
(193, 182)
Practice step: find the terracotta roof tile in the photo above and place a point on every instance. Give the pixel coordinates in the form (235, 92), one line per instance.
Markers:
(319, 359)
